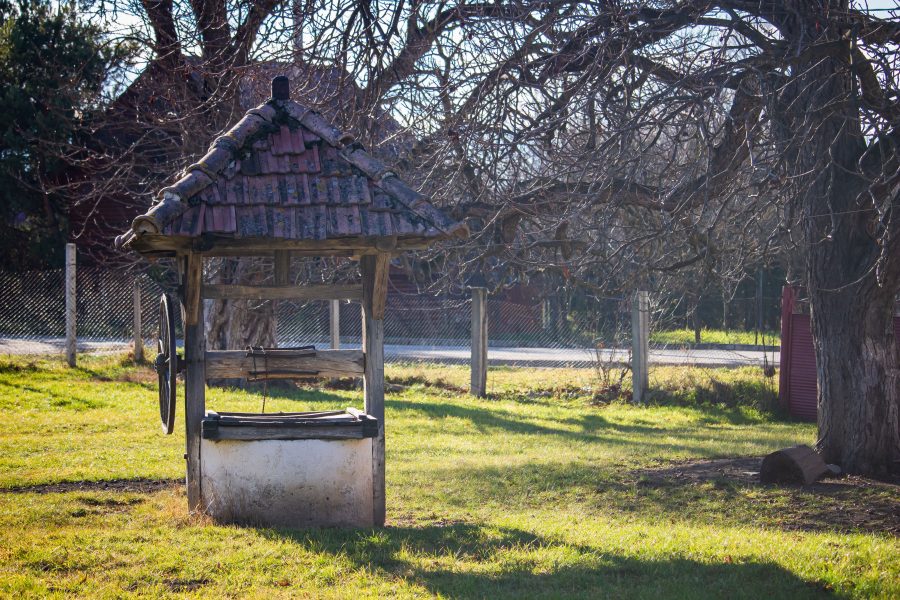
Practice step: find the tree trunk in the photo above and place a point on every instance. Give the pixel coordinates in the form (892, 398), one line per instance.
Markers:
(851, 311)
(858, 379)
(236, 324)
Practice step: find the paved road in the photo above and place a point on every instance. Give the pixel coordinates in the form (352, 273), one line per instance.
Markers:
(580, 356)
(538, 357)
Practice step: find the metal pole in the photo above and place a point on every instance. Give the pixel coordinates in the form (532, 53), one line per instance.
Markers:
(640, 345)
(138, 334)
(71, 306)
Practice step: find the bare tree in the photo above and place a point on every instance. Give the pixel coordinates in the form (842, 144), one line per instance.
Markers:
(597, 144)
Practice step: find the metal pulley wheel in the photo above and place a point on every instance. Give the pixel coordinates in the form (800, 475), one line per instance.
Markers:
(167, 363)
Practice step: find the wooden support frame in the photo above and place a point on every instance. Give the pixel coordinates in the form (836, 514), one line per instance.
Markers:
(225, 364)
(282, 260)
(374, 271)
(195, 376)
(282, 292)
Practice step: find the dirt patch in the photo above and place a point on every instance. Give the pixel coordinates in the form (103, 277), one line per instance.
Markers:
(744, 470)
(140, 486)
(847, 503)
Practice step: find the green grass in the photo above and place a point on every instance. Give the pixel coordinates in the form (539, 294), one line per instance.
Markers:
(536, 491)
(715, 336)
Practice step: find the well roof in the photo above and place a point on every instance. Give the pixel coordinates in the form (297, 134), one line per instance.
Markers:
(284, 174)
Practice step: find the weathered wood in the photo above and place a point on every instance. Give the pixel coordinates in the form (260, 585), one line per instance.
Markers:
(379, 284)
(334, 323)
(193, 282)
(226, 364)
(71, 305)
(799, 464)
(285, 292)
(138, 334)
(282, 260)
(213, 245)
(349, 432)
(373, 378)
(479, 343)
(194, 381)
(640, 345)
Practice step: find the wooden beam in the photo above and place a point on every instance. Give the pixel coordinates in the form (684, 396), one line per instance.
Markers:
(283, 292)
(226, 364)
(194, 378)
(282, 267)
(193, 281)
(375, 284)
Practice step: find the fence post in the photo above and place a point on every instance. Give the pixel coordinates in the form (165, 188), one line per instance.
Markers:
(479, 342)
(640, 345)
(334, 321)
(138, 330)
(71, 306)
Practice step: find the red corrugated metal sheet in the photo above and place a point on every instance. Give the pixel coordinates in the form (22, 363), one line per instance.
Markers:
(802, 372)
(798, 367)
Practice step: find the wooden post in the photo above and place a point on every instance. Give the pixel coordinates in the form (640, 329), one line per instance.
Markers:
(334, 322)
(374, 275)
(138, 335)
(282, 267)
(71, 305)
(479, 342)
(194, 377)
(640, 345)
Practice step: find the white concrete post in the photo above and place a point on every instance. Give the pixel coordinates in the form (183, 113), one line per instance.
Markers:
(640, 345)
(71, 306)
(334, 321)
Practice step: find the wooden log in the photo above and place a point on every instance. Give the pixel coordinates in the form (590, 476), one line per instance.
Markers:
(137, 333)
(800, 464)
(373, 379)
(479, 343)
(227, 364)
(282, 292)
(71, 305)
(194, 381)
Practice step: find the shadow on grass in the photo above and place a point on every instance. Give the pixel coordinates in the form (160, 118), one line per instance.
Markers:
(589, 427)
(718, 498)
(141, 485)
(470, 561)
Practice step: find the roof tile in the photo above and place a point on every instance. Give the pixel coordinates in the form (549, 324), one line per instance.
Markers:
(286, 181)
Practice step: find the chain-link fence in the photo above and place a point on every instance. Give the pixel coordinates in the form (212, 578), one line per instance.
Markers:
(418, 326)
(33, 310)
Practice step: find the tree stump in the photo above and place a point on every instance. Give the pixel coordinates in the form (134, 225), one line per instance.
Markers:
(800, 464)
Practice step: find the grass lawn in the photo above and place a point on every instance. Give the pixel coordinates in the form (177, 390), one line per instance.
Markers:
(715, 336)
(536, 492)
